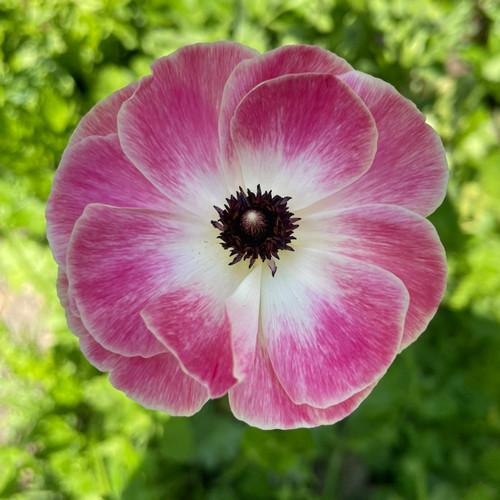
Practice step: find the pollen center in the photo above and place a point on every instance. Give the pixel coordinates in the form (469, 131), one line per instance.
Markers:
(256, 226)
(253, 222)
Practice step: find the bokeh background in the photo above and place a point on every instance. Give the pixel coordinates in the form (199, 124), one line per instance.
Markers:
(429, 431)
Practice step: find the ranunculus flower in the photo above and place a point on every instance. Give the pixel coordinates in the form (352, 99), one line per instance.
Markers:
(253, 225)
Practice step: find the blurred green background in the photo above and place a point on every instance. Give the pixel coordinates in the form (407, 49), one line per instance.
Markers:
(430, 430)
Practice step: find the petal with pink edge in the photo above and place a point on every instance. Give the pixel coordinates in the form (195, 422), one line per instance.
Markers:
(196, 327)
(273, 64)
(261, 401)
(95, 353)
(394, 239)
(410, 166)
(94, 171)
(170, 128)
(118, 261)
(332, 325)
(101, 119)
(158, 383)
(64, 295)
(121, 259)
(101, 358)
(303, 136)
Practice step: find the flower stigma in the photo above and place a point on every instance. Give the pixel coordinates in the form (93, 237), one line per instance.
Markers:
(256, 225)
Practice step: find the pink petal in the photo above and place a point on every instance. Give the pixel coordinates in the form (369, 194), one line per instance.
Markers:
(64, 295)
(158, 383)
(273, 64)
(196, 327)
(95, 353)
(261, 401)
(410, 166)
(118, 261)
(394, 239)
(332, 325)
(94, 171)
(121, 259)
(101, 119)
(169, 129)
(303, 136)
(101, 358)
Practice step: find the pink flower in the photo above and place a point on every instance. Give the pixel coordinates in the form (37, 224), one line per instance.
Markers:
(294, 302)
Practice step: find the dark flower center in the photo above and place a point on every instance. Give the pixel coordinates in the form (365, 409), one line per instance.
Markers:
(256, 226)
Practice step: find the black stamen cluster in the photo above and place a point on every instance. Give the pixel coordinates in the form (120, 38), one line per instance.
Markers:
(274, 232)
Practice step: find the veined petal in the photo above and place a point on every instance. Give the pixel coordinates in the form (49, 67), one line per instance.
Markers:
(282, 61)
(332, 325)
(101, 119)
(213, 339)
(195, 328)
(94, 171)
(158, 383)
(169, 129)
(394, 239)
(261, 401)
(118, 261)
(95, 353)
(305, 136)
(101, 358)
(63, 293)
(410, 167)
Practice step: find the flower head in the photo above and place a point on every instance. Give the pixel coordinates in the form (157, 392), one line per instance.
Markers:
(253, 225)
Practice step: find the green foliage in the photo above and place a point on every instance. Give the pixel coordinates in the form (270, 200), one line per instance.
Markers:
(431, 428)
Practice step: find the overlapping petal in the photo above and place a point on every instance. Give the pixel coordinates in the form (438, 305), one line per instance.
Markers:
(394, 239)
(284, 139)
(94, 171)
(122, 260)
(101, 358)
(213, 339)
(282, 61)
(118, 261)
(158, 383)
(67, 301)
(195, 328)
(410, 167)
(331, 324)
(101, 120)
(169, 129)
(261, 401)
